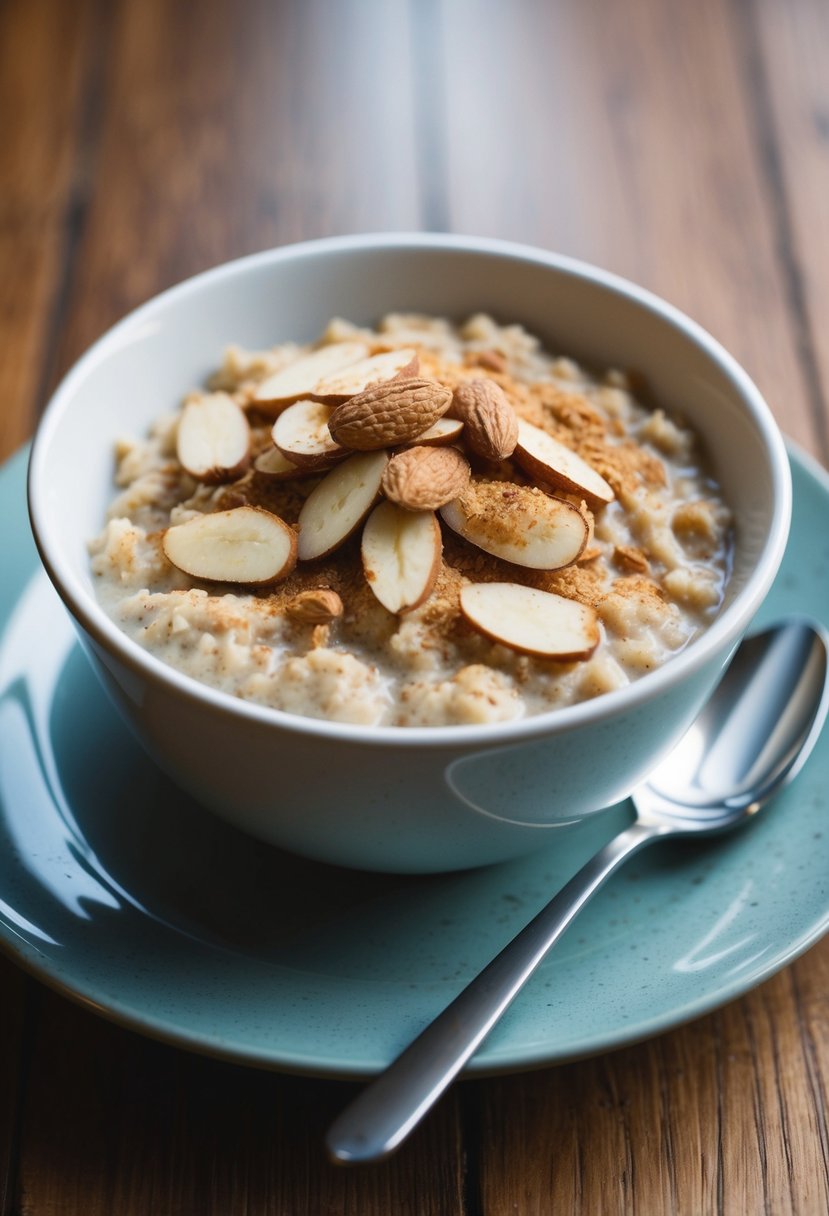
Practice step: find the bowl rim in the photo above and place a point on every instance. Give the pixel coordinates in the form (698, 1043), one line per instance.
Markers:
(724, 631)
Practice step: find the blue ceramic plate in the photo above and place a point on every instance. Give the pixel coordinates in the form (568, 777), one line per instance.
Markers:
(122, 893)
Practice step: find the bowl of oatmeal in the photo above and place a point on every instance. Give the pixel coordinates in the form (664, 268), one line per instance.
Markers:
(403, 552)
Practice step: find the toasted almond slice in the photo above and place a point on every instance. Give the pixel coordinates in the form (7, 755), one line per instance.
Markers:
(389, 365)
(301, 433)
(213, 438)
(301, 377)
(443, 432)
(550, 461)
(520, 524)
(530, 621)
(401, 555)
(271, 463)
(244, 545)
(339, 504)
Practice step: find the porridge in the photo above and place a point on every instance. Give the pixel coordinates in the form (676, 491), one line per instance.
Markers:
(418, 525)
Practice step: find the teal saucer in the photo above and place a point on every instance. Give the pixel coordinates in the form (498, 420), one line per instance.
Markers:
(122, 893)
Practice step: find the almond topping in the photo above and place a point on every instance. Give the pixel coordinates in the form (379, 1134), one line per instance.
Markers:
(244, 545)
(213, 438)
(301, 377)
(377, 369)
(389, 414)
(545, 458)
(492, 360)
(271, 463)
(401, 555)
(490, 422)
(519, 524)
(302, 435)
(631, 560)
(530, 621)
(318, 606)
(339, 504)
(444, 431)
(425, 478)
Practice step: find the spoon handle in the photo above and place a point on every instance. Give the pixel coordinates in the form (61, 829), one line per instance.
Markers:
(381, 1117)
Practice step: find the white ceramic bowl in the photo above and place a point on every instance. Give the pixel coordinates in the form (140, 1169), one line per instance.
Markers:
(421, 799)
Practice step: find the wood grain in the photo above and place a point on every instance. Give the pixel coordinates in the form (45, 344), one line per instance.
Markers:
(44, 65)
(298, 128)
(790, 57)
(119, 1124)
(13, 1075)
(628, 140)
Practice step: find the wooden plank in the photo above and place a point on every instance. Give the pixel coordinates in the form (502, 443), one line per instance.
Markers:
(13, 1061)
(116, 1123)
(787, 46)
(43, 63)
(43, 60)
(229, 130)
(623, 134)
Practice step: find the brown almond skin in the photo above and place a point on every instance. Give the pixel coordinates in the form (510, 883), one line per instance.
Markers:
(318, 606)
(389, 413)
(490, 423)
(425, 478)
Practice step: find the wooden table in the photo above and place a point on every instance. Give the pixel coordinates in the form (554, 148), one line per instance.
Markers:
(685, 145)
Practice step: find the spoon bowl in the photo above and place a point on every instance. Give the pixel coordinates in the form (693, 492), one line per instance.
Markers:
(752, 738)
(754, 734)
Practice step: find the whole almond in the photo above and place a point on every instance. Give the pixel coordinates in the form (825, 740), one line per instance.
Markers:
(319, 606)
(424, 478)
(388, 414)
(490, 422)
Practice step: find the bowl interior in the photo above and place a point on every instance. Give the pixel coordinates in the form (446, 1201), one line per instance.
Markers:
(144, 366)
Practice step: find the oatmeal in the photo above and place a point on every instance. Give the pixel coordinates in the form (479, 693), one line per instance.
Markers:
(418, 525)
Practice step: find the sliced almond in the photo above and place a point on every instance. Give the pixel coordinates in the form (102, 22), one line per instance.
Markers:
(490, 422)
(388, 414)
(300, 378)
(530, 621)
(401, 555)
(424, 478)
(444, 431)
(492, 360)
(301, 433)
(244, 545)
(272, 463)
(519, 524)
(553, 462)
(377, 369)
(339, 504)
(213, 438)
(317, 606)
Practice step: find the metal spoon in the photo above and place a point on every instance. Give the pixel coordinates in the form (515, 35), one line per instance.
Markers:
(751, 738)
